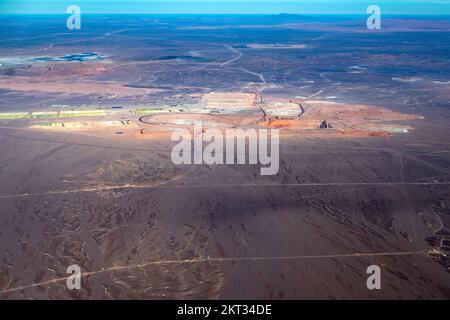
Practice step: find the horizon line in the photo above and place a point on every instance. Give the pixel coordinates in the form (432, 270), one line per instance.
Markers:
(228, 14)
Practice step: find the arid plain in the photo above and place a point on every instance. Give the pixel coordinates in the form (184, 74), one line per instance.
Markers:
(87, 178)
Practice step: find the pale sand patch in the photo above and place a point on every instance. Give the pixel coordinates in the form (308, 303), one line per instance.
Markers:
(229, 100)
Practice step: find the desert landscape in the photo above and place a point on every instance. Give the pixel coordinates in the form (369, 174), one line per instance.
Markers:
(87, 177)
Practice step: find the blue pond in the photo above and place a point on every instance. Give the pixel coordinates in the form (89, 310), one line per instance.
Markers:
(87, 56)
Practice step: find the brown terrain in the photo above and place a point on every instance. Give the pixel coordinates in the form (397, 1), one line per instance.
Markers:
(58, 78)
(98, 187)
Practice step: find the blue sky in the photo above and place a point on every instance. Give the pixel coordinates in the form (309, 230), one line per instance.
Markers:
(228, 6)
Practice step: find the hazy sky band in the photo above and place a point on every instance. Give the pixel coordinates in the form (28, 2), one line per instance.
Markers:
(227, 6)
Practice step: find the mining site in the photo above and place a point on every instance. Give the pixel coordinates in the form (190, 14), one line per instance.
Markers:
(87, 179)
